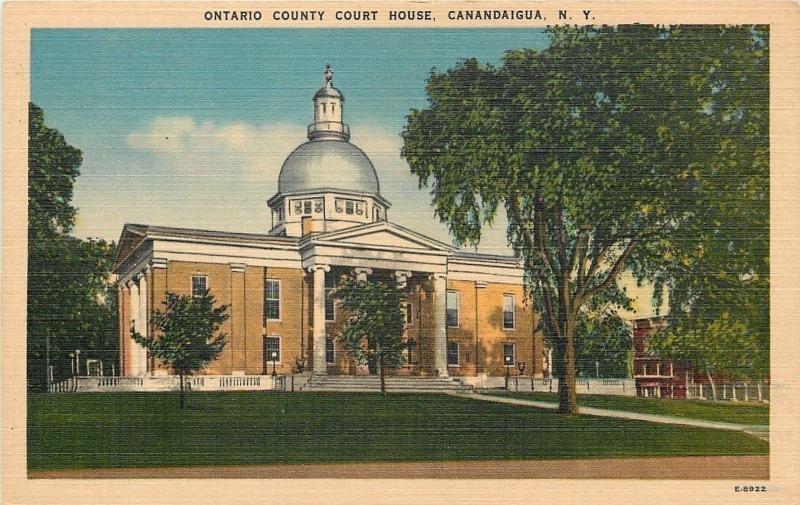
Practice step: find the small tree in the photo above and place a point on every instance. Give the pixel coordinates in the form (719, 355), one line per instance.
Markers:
(723, 346)
(185, 337)
(374, 323)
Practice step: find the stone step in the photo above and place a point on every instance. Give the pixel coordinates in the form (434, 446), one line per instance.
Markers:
(373, 383)
(394, 384)
(356, 385)
(392, 381)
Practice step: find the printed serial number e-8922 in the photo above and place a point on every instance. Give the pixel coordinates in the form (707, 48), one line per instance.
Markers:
(749, 489)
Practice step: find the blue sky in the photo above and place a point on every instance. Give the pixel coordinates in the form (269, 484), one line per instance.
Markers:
(233, 104)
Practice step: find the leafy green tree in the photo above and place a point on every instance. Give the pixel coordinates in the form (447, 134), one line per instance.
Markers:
(592, 148)
(723, 345)
(53, 166)
(186, 334)
(603, 344)
(374, 323)
(718, 279)
(71, 300)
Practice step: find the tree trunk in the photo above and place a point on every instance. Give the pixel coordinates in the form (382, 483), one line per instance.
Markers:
(567, 394)
(758, 388)
(181, 393)
(713, 386)
(383, 374)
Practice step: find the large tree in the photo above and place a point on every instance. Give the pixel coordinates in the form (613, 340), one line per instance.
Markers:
(186, 336)
(593, 147)
(718, 280)
(374, 323)
(71, 301)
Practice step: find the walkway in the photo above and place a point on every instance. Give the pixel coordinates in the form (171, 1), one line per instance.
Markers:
(758, 430)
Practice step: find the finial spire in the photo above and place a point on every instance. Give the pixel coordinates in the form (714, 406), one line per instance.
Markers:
(328, 104)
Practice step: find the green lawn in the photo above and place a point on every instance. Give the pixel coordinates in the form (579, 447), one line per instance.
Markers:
(728, 412)
(125, 430)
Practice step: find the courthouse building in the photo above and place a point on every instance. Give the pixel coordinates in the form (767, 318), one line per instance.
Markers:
(465, 315)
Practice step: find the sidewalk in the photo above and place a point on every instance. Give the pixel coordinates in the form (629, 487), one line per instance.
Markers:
(757, 430)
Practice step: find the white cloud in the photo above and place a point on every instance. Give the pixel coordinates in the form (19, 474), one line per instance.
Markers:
(217, 174)
(249, 151)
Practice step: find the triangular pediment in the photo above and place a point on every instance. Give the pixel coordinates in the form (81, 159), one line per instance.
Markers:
(131, 236)
(384, 234)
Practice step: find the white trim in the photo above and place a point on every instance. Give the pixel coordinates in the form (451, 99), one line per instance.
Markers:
(513, 354)
(513, 312)
(411, 305)
(377, 226)
(333, 340)
(191, 283)
(458, 308)
(280, 300)
(458, 354)
(280, 350)
(333, 305)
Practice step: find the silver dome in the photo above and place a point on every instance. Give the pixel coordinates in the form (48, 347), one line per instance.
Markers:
(328, 164)
(329, 92)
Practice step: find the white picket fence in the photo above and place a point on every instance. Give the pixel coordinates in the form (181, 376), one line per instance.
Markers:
(734, 391)
(618, 387)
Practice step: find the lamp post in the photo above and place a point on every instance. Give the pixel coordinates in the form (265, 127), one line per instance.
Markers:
(274, 359)
(78, 361)
(72, 363)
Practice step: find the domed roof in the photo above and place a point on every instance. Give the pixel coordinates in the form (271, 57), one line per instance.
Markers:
(328, 164)
(329, 92)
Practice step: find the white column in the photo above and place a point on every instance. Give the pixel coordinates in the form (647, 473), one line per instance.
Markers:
(440, 324)
(402, 276)
(123, 344)
(143, 321)
(362, 273)
(319, 365)
(135, 324)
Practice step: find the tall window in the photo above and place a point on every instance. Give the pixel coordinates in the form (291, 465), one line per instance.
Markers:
(199, 284)
(452, 308)
(508, 312)
(330, 350)
(272, 350)
(330, 306)
(452, 354)
(509, 354)
(410, 352)
(272, 300)
(409, 313)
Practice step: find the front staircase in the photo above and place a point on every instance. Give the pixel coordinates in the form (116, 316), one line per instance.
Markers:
(372, 383)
